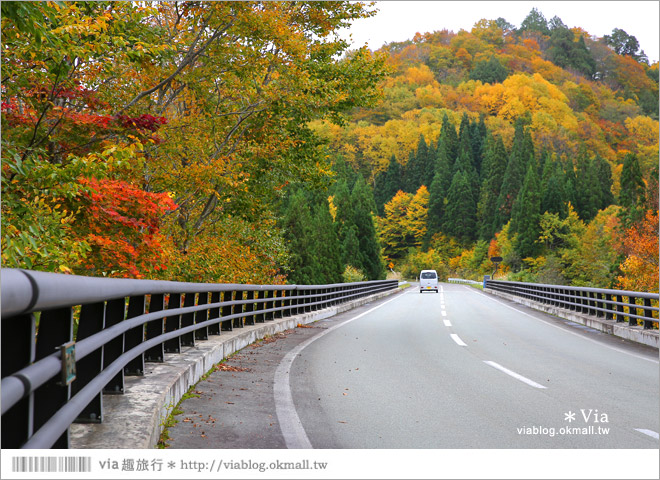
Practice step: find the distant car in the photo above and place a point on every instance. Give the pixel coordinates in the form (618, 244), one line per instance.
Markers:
(428, 281)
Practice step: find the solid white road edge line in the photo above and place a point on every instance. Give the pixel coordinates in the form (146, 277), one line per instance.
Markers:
(458, 340)
(290, 424)
(514, 374)
(650, 433)
(564, 329)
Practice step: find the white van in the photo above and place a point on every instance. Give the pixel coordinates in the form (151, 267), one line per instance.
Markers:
(428, 281)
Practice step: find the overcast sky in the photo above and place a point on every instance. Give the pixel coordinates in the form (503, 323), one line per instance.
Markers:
(399, 20)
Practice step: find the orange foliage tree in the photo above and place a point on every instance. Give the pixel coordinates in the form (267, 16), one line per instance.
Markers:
(640, 245)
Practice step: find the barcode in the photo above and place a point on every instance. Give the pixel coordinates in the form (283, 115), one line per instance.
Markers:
(51, 464)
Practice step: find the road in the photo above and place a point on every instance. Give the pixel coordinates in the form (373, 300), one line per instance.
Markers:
(458, 369)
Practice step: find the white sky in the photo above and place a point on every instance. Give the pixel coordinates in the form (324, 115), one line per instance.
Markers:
(399, 20)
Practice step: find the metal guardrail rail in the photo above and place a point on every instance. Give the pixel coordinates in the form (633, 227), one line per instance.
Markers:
(462, 280)
(618, 305)
(67, 340)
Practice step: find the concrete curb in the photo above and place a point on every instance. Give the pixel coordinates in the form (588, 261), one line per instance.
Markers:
(136, 419)
(619, 329)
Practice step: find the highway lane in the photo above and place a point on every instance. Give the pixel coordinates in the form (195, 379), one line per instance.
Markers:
(462, 369)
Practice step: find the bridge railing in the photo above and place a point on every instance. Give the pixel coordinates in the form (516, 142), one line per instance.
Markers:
(635, 308)
(67, 340)
(463, 280)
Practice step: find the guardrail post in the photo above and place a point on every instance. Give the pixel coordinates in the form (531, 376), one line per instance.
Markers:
(238, 321)
(135, 336)
(286, 303)
(308, 300)
(294, 301)
(188, 319)
(599, 305)
(278, 294)
(172, 323)
(18, 351)
(227, 325)
(632, 311)
(55, 329)
(155, 328)
(115, 311)
(92, 321)
(609, 307)
(201, 316)
(214, 329)
(620, 309)
(270, 294)
(648, 313)
(249, 307)
(592, 303)
(261, 305)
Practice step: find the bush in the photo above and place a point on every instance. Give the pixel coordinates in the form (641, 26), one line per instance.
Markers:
(352, 274)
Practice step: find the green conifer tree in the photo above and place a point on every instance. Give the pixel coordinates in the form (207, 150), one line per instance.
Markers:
(387, 184)
(370, 262)
(494, 165)
(526, 214)
(553, 190)
(633, 189)
(460, 217)
(586, 196)
(522, 152)
(604, 175)
(415, 174)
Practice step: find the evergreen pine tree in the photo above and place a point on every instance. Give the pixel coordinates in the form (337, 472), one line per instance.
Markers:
(315, 251)
(633, 189)
(370, 262)
(586, 197)
(553, 191)
(460, 219)
(447, 151)
(326, 249)
(296, 224)
(387, 184)
(521, 155)
(478, 133)
(416, 170)
(351, 247)
(570, 182)
(526, 214)
(494, 165)
(604, 176)
(437, 196)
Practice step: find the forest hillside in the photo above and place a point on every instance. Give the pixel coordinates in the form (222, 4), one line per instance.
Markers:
(536, 143)
(245, 142)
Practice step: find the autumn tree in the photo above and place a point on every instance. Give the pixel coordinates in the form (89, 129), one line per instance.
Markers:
(640, 245)
(393, 229)
(205, 103)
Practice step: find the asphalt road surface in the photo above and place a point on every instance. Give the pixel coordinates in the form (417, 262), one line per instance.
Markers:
(457, 369)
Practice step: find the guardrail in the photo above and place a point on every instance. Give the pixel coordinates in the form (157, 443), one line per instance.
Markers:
(618, 305)
(462, 280)
(67, 340)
